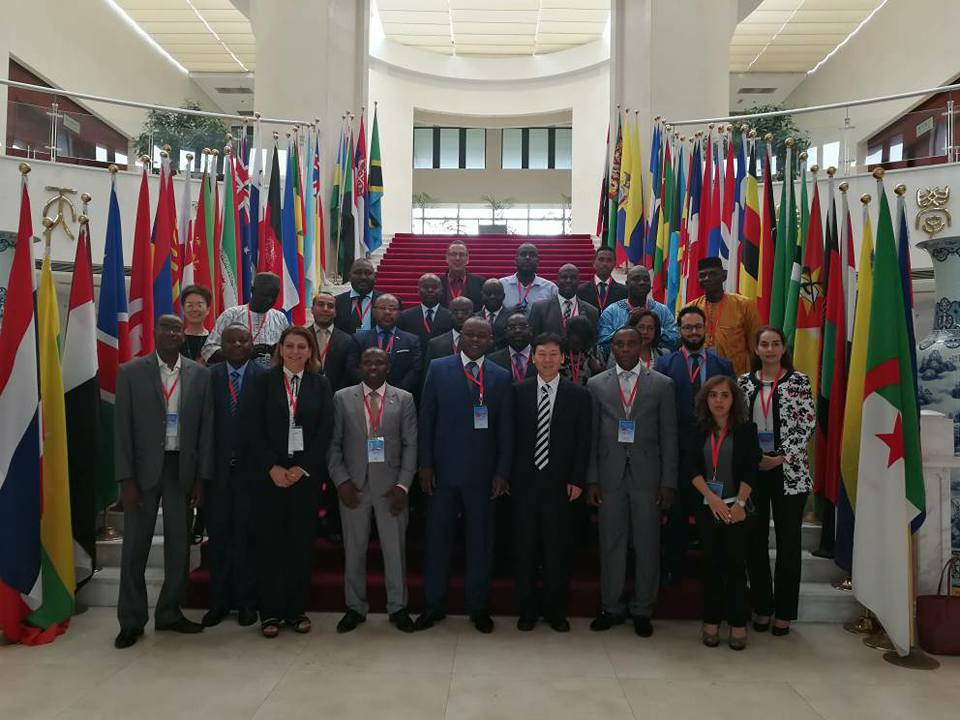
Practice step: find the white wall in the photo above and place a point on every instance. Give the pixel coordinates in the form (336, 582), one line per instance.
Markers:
(87, 46)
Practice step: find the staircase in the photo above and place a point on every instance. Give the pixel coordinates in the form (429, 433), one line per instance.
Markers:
(491, 256)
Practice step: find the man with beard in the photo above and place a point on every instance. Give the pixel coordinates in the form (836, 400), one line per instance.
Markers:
(617, 314)
(552, 316)
(355, 306)
(525, 287)
(264, 322)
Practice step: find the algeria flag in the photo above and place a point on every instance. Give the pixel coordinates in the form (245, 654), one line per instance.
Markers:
(890, 490)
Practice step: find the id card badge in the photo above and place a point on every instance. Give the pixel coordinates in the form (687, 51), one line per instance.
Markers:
(716, 488)
(172, 421)
(375, 451)
(766, 441)
(481, 417)
(626, 430)
(295, 440)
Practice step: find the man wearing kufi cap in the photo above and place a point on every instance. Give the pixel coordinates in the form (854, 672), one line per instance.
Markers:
(732, 319)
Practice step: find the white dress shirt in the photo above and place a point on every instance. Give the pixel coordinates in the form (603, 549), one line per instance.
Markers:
(170, 379)
(574, 305)
(552, 391)
(629, 380)
(464, 359)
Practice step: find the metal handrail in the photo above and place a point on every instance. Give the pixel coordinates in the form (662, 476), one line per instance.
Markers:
(816, 108)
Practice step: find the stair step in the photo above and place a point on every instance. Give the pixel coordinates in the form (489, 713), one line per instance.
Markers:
(109, 552)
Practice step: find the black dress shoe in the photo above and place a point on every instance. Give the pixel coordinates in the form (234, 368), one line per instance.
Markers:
(246, 617)
(187, 627)
(402, 621)
(560, 624)
(526, 623)
(778, 631)
(127, 637)
(642, 626)
(482, 622)
(606, 620)
(213, 617)
(428, 619)
(350, 621)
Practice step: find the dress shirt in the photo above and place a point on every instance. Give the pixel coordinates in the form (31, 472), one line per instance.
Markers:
(615, 317)
(540, 289)
(627, 382)
(424, 309)
(701, 358)
(479, 361)
(574, 305)
(380, 392)
(167, 378)
(322, 334)
(265, 328)
(290, 375)
(365, 308)
(551, 387)
(231, 370)
(525, 354)
(491, 315)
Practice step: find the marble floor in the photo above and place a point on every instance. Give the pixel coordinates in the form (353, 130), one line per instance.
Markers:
(819, 671)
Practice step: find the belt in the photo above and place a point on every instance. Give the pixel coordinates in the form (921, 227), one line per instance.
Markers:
(171, 453)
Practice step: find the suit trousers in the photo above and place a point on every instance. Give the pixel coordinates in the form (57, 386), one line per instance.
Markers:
(392, 531)
(445, 505)
(233, 582)
(285, 529)
(725, 580)
(541, 530)
(780, 594)
(138, 529)
(629, 513)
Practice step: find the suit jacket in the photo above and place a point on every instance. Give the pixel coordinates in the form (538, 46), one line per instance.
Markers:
(335, 363)
(472, 289)
(266, 420)
(746, 454)
(499, 327)
(615, 292)
(653, 454)
(674, 366)
(448, 443)
(347, 457)
(405, 358)
(570, 435)
(545, 316)
(438, 347)
(411, 321)
(139, 423)
(502, 358)
(346, 319)
(228, 435)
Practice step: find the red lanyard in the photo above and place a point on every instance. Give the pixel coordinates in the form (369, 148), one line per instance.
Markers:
(522, 300)
(628, 403)
(250, 324)
(168, 393)
(575, 360)
(389, 344)
(361, 314)
(233, 392)
(374, 423)
(715, 443)
(455, 286)
(290, 396)
(686, 361)
(602, 301)
(478, 381)
(712, 326)
(765, 405)
(648, 362)
(517, 374)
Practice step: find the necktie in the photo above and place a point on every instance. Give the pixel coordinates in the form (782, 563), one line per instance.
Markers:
(374, 406)
(235, 395)
(541, 448)
(295, 386)
(625, 383)
(430, 317)
(473, 369)
(566, 309)
(384, 337)
(360, 314)
(694, 367)
(521, 363)
(602, 292)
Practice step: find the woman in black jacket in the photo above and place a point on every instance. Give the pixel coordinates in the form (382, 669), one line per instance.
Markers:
(721, 463)
(289, 421)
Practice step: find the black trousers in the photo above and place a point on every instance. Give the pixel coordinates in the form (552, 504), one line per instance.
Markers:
(542, 529)
(725, 580)
(233, 583)
(777, 595)
(285, 529)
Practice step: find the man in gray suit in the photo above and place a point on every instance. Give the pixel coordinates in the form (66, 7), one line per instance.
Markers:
(632, 476)
(163, 451)
(372, 461)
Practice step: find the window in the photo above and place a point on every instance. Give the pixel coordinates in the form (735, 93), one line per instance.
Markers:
(536, 148)
(875, 155)
(896, 148)
(449, 148)
(465, 219)
(512, 154)
(564, 149)
(538, 152)
(119, 158)
(811, 156)
(100, 153)
(831, 154)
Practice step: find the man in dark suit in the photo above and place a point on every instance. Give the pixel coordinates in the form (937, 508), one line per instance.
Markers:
(602, 290)
(163, 451)
(333, 344)
(355, 306)
(515, 357)
(402, 347)
(429, 319)
(493, 311)
(461, 309)
(689, 367)
(457, 281)
(552, 435)
(552, 316)
(466, 449)
(233, 582)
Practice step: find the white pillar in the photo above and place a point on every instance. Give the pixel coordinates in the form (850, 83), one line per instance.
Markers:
(5, 74)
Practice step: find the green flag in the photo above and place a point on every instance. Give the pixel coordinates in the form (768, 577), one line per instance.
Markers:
(795, 268)
(785, 238)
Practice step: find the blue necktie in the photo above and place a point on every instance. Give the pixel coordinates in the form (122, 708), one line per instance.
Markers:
(235, 395)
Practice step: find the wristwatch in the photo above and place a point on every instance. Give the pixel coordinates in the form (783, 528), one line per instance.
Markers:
(741, 503)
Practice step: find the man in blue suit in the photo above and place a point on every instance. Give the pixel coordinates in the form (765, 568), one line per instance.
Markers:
(228, 502)
(689, 367)
(466, 450)
(403, 348)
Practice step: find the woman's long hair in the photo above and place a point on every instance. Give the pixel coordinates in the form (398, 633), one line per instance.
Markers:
(738, 410)
(312, 364)
(786, 361)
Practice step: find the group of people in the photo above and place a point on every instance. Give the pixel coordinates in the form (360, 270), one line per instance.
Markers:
(516, 386)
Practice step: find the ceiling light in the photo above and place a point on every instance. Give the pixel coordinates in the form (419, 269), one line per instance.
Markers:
(145, 35)
(844, 41)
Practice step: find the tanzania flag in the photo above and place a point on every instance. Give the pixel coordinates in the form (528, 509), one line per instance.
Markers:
(373, 228)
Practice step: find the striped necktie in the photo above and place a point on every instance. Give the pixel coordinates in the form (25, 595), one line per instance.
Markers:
(235, 395)
(541, 448)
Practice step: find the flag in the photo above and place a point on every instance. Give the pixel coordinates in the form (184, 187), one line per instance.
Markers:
(714, 234)
(636, 213)
(299, 313)
(270, 258)
(768, 244)
(245, 231)
(689, 282)
(677, 228)
(625, 167)
(750, 233)
(202, 242)
(890, 492)
(216, 220)
(373, 229)
(290, 289)
(347, 248)
(256, 211)
(785, 258)
(56, 531)
(141, 277)
(176, 260)
(82, 400)
(656, 187)
(113, 346)
(360, 184)
(728, 242)
(163, 243)
(811, 302)
(335, 197)
(321, 236)
(662, 247)
(310, 245)
(611, 188)
(230, 291)
(185, 233)
(794, 276)
(602, 209)
(739, 188)
(20, 439)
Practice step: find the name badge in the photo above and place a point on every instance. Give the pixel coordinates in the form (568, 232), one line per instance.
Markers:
(481, 417)
(626, 431)
(375, 452)
(295, 440)
(716, 488)
(766, 441)
(172, 421)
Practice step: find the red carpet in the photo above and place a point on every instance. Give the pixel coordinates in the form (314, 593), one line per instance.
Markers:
(409, 256)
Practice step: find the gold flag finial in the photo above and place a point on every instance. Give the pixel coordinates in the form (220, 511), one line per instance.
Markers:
(257, 115)
(24, 168)
(831, 171)
(113, 169)
(814, 169)
(752, 134)
(900, 189)
(803, 155)
(276, 135)
(744, 127)
(844, 186)
(168, 148)
(865, 198)
(878, 173)
(788, 142)
(85, 198)
(768, 137)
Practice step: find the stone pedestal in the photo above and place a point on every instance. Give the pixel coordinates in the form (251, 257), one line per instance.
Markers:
(941, 469)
